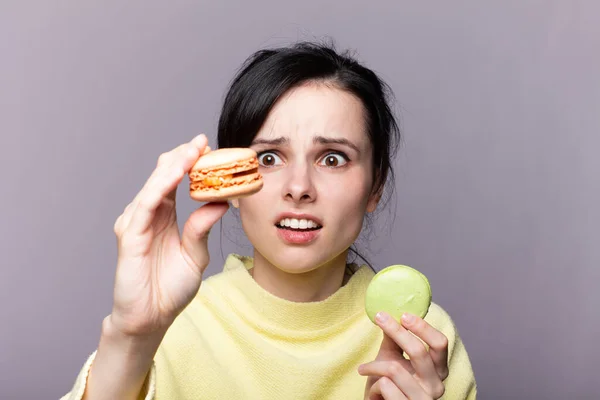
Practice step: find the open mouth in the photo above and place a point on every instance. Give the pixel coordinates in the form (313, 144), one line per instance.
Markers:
(294, 224)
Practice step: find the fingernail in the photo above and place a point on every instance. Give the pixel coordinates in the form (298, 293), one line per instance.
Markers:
(408, 318)
(381, 317)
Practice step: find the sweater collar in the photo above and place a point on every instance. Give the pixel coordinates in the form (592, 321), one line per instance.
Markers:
(251, 300)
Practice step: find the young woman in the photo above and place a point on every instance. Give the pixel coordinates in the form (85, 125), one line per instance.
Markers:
(287, 322)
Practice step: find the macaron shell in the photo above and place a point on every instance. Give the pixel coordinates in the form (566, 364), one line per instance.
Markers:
(221, 157)
(225, 169)
(398, 289)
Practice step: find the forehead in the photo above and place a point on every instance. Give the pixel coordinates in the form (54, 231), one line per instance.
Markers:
(316, 109)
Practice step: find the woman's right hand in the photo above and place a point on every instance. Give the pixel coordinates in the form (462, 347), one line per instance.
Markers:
(158, 270)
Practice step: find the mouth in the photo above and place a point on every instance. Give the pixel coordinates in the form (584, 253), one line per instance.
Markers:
(298, 230)
(298, 224)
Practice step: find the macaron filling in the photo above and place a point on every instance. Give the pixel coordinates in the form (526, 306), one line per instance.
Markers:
(212, 180)
(227, 173)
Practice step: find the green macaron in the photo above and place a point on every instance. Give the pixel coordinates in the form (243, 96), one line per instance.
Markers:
(396, 290)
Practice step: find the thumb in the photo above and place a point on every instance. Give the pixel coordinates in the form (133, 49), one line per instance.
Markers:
(194, 240)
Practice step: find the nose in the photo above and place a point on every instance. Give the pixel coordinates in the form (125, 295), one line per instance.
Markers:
(299, 186)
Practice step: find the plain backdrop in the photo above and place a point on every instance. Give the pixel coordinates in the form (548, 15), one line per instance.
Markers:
(498, 182)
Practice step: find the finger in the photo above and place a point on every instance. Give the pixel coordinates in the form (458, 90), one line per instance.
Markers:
(187, 156)
(386, 389)
(183, 156)
(400, 377)
(164, 166)
(195, 233)
(123, 220)
(160, 192)
(412, 346)
(162, 184)
(436, 340)
(200, 141)
(389, 349)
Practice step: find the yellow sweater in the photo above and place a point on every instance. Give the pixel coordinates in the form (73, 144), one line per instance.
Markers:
(237, 341)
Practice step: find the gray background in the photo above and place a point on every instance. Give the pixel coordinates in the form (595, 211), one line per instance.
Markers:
(498, 187)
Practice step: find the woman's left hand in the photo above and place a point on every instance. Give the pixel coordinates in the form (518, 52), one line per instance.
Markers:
(392, 376)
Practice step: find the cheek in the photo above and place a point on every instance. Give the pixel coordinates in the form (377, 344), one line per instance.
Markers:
(255, 209)
(251, 208)
(347, 199)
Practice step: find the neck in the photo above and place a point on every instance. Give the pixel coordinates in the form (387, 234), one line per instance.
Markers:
(315, 285)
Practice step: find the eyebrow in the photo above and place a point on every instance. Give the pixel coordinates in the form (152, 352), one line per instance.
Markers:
(342, 141)
(318, 139)
(273, 142)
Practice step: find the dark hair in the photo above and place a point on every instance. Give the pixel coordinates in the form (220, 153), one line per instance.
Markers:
(268, 74)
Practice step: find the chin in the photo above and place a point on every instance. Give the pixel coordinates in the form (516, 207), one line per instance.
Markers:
(297, 260)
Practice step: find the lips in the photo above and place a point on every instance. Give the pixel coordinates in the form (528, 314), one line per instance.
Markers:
(295, 228)
(298, 236)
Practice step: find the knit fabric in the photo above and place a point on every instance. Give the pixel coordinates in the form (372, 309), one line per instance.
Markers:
(235, 340)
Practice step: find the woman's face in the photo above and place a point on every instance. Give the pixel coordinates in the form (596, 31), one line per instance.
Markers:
(316, 160)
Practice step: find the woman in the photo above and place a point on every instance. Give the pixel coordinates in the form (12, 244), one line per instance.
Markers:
(288, 322)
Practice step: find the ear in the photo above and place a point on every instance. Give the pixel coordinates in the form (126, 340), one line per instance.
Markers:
(372, 204)
(374, 200)
(235, 203)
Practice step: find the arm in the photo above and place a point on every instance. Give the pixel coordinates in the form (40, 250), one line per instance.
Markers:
(158, 273)
(121, 366)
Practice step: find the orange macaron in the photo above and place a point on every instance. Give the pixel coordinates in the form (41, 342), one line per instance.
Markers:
(225, 174)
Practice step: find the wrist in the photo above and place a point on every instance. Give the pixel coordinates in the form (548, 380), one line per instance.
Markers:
(122, 364)
(127, 344)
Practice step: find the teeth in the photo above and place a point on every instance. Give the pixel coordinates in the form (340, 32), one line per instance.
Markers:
(298, 223)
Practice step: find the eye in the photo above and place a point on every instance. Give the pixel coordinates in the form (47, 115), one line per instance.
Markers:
(269, 159)
(333, 160)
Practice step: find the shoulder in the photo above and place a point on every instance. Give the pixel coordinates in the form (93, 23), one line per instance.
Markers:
(438, 315)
